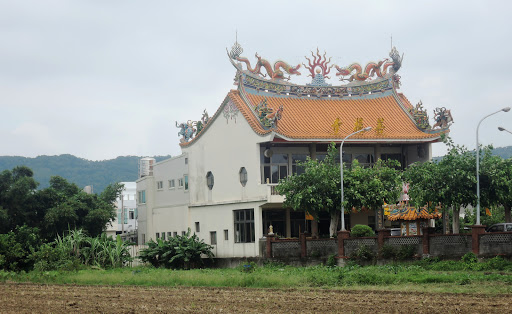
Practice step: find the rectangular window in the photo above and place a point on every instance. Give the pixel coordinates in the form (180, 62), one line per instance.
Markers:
(119, 215)
(213, 237)
(365, 160)
(171, 184)
(197, 226)
(125, 215)
(180, 182)
(244, 225)
(132, 214)
(186, 183)
(163, 236)
(160, 185)
(183, 233)
(143, 238)
(158, 235)
(142, 197)
(169, 235)
(186, 161)
(274, 168)
(226, 234)
(175, 234)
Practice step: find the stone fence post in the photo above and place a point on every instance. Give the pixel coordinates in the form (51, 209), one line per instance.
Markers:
(303, 244)
(426, 240)
(380, 237)
(476, 231)
(342, 235)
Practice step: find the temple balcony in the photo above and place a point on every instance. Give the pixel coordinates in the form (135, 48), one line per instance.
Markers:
(272, 195)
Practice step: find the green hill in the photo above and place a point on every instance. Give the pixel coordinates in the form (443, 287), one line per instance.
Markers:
(81, 171)
(503, 152)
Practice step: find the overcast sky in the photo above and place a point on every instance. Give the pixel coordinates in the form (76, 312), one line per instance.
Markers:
(100, 79)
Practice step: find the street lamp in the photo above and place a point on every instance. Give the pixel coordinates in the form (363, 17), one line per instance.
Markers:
(503, 129)
(506, 109)
(341, 164)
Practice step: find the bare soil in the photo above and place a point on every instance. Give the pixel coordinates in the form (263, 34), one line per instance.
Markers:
(25, 298)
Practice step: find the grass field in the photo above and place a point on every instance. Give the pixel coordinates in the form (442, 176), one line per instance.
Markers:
(389, 277)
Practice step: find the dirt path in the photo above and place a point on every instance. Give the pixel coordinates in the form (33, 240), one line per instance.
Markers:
(23, 298)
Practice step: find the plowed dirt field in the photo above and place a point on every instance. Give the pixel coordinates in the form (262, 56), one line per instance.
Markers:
(24, 298)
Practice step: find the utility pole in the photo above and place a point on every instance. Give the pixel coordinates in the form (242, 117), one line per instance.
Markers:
(122, 213)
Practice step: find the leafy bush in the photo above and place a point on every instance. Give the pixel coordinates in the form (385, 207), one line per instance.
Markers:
(17, 247)
(406, 252)
(363, 254)
(76, 250)
(331, 261)
(178, 252)
(388, 251)
(361, 231)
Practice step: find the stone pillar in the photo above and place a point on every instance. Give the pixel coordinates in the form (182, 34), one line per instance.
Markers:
(270, 239)
(377, 152)
(426, 240)
(314, 229)
(381, 235)
(342, 235)
(476, 231)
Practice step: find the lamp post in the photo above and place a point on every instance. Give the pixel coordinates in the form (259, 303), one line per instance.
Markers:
(341, 166)
(503, 129)
(506, 109)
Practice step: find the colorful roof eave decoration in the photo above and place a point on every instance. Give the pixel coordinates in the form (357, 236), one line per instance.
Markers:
(411, 213)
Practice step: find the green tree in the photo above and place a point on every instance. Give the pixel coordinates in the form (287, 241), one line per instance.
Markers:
(17, 201)
(315, 190)
(72, 208)
(371, 187)
(496, 182)
(450, 181)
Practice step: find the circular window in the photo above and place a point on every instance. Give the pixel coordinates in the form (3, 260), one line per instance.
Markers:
(209, 180)
(243, 176)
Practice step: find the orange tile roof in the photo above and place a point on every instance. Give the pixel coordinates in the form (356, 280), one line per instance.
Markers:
(412, 213)
(310, 118)
(405, 101)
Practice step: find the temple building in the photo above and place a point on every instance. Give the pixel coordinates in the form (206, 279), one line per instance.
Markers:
(222, 186)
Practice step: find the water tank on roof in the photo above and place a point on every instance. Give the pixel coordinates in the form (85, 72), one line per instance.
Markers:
(146, 166)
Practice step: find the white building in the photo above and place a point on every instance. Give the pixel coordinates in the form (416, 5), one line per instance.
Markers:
(222, 186)
(126, 207)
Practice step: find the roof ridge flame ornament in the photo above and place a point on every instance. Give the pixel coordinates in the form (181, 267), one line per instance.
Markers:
(318, 62)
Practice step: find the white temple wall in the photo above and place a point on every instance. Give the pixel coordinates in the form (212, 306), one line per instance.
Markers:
(218, 218)
(228, 145)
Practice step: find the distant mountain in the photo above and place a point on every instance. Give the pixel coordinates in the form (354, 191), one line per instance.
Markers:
(503, 152)
(81, 171)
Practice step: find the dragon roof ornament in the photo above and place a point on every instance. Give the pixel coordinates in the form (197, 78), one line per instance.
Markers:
(274, 78)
